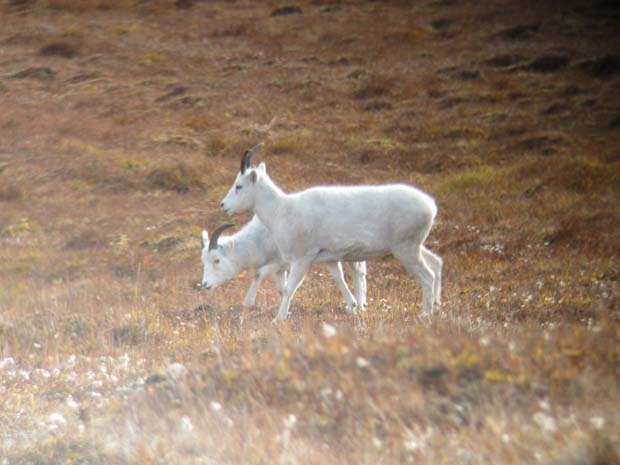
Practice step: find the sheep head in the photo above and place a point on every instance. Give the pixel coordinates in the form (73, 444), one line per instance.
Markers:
(240, 197)
(218, 263)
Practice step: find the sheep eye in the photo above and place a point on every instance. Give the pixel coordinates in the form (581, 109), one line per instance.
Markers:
(216, 261)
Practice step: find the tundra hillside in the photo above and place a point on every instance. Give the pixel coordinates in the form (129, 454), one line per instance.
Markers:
(121, 127)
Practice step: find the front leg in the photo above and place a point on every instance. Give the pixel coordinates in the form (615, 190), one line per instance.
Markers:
(261, 274)
(250, 297)
(296, 276)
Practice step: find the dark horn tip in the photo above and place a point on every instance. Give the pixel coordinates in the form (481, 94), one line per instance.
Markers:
(247, 157)
(216, 235)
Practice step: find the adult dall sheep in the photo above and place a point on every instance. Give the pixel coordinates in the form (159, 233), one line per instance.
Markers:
(337, 223)
(252, 247)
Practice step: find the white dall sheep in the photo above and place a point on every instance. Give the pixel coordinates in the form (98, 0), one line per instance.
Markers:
(252, 247)
(328, 224)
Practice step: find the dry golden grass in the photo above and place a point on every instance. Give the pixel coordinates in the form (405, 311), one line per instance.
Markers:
(113, 158)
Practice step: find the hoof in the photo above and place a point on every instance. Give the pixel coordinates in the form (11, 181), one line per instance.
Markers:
(351, 310)
(279, 319)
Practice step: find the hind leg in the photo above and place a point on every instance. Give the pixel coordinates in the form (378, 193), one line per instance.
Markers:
(280, 279)
(358, 274)
(435, 263)
(410, 255)
(335, 268)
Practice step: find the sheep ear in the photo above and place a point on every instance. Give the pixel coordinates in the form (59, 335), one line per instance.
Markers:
(262, 167)
(204, 239)
(253, 177)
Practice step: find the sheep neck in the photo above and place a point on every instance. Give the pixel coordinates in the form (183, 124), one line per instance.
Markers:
(269, 198)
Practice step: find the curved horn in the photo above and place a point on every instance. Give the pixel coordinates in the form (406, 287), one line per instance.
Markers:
(247, 156)
(216, 234)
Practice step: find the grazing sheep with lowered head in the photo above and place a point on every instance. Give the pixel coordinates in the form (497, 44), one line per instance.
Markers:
(252, 247)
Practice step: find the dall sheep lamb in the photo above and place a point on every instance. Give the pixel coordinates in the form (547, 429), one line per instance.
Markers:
(252, 247)
(340, 224)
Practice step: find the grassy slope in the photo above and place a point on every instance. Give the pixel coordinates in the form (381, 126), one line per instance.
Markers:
(120, 131)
